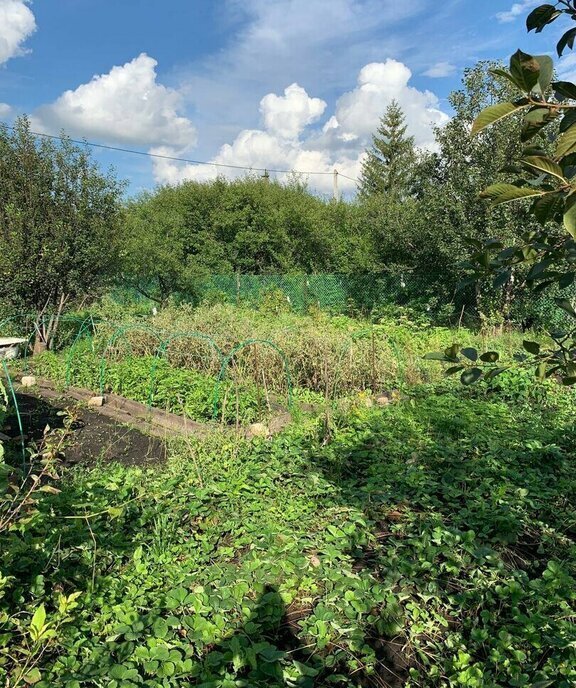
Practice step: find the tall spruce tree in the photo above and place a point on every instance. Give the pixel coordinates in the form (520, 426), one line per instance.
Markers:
(388, 167)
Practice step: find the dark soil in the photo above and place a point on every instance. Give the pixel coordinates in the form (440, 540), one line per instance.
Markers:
(93, 437)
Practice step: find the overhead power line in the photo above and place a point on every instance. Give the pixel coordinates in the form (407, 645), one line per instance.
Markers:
(340, 174)
(174, 158)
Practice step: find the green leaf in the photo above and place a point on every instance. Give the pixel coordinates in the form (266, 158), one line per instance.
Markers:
(548, 207)
(470, 353)
(305, 670)
(534, 120)
(118, 671)
(567, 381)
(533, 149)
(539, 17)
(567, 121)
(493, 244)
(160, 628)
(545, 165)
(541, 370)
(566, 143)
(467, 282)
(506, 75)
(566, 305)
(470, 376)
(33, 676)
(501, 278)
(542, 285)
(491, 114)
(504, 193)
(567, 40)
(539, 268)
(531, 347)
(454, 369)
(38, 620)
(451, 352)
(570, 216)
(546, 72)
(490, 357)
(491, 374)
(565, 88)
(435, 356)
(525, 70)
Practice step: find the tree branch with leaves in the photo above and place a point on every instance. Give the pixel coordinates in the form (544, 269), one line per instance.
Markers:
(546, 255)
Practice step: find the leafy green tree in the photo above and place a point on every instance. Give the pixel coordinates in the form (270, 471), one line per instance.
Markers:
(387, 169)
(427, 233)
(546, 179)
(153, 248)
(178, 235)
(451, 215)
(59, 222)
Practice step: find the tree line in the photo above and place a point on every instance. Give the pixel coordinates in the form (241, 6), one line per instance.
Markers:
(66, 230)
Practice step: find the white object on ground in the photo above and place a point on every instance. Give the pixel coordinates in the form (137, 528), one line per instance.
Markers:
(258, 430)
(28, 381)
(10, 347)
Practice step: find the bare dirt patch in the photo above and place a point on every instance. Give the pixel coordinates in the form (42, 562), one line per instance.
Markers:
(94, 437)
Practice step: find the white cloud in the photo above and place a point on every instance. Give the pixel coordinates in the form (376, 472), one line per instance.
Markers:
(358, 112)
(316, 43)
(287, 142)
(5, 110)
(440, 70)
(517, 10)
(17, 23)
(289, 114)
(257, 150)
(566, 68)
(127, 105)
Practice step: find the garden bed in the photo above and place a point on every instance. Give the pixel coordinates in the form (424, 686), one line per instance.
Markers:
(93, 436)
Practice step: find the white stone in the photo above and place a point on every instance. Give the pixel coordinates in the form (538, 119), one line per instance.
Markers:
(383, 400)
(28, 381)
(96, 401)
(258, 430)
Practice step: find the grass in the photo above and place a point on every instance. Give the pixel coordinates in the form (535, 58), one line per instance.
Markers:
(428, 543)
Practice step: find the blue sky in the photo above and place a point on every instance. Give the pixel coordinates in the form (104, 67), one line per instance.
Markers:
(281, 84)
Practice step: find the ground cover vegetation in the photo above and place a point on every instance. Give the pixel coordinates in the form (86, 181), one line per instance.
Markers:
(427, 543)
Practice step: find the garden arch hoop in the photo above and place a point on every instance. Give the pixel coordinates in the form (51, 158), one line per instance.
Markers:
(239, 347)
(161, 351)
(120, 332)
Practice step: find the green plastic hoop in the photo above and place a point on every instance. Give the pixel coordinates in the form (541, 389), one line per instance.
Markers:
(230, 356)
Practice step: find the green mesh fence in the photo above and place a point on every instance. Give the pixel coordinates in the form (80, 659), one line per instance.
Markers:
(364, 294)
(338, 293)
(332, 292)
